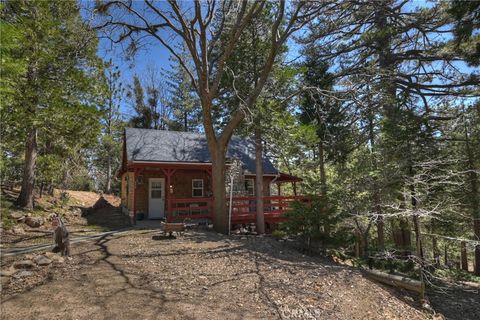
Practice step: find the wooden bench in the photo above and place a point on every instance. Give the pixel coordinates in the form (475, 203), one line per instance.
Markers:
(169, 228)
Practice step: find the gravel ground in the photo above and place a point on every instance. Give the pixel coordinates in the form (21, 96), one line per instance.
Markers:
(201, 275)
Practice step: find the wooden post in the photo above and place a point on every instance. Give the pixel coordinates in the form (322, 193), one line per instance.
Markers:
(279, 189)
(463, 252)
(167, 196)
(134, 196)
(168, 180)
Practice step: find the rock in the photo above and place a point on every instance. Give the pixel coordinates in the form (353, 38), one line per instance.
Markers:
(8, 272)
(34, 222)
(16, 215)
(18, 230)
(76, 211)
(50, 255)
(42, 260)
(426, 306)
(23, 274)
(59, 260)
(4, 281)
(23, 264)
(54, 257)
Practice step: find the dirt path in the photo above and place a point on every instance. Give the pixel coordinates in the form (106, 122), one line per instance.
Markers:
(200, 276)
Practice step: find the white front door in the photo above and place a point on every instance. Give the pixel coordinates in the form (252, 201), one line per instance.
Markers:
(156, 198)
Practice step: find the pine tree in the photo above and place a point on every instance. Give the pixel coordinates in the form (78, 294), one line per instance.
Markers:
(59, 54)
(185, 105)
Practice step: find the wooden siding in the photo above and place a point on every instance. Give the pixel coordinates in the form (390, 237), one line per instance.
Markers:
(181, 182)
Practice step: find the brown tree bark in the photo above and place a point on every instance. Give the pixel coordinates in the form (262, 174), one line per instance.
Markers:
(323, 189)
(476, 214)
(463, 253)
(260, 218)
(474, 198)
(221, 222)
(25, 199)
(108, 185)
(416, 224)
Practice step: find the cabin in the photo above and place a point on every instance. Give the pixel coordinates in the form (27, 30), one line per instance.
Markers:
(167, 175)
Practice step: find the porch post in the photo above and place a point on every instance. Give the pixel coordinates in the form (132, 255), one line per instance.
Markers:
(279, 194)
(134, 197)
(167, 195)
(168, 180)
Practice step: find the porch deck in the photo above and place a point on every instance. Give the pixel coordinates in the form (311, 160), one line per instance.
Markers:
(243, 208)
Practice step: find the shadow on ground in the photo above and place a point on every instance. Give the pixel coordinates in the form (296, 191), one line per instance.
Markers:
(106, 216)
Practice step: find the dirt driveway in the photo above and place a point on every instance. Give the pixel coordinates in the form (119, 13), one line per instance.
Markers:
(200, 276)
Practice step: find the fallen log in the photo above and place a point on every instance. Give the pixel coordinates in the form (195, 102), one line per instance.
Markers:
(397, 281)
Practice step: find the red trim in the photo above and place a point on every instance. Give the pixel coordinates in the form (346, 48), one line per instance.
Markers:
(134, 197)
(243, 208)
(284, 177)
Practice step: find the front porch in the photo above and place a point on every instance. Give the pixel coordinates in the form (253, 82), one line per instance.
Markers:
(244, 209)
(179, 192)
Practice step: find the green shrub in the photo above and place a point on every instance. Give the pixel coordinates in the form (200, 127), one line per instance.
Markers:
(279, 234)
(314, 221)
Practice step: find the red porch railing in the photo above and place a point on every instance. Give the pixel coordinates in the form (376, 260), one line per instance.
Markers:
(189, 208)
(243, 208)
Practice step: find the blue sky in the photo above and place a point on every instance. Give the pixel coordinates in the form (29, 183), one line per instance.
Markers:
(153, 55)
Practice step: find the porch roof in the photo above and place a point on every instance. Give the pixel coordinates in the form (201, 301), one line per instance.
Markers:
(160, 146)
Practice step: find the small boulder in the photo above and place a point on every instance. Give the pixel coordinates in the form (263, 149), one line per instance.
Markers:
(76, 211)
(24, 264)
(50, 255)
(8, 272)
(54, 257)
(60, 260)
(18, 230)
(23, 274)
(16, 215)
(4, 281)
(34, 222)
(42, 260)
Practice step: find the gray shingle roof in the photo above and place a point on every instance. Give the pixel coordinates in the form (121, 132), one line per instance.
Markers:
(175, 146)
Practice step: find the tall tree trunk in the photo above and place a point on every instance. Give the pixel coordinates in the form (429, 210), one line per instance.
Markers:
(221, 222)
(416, 223)
(323, 189)
(474, 198)
(259, 181)
(376, 192)
(25, 199)
(185, 121)
(323, 175)
(436, 251)
(108, 186)
(388, 105)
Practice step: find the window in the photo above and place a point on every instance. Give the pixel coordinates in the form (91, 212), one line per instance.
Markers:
(197, 187)
(250, 186)
(156, 190)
